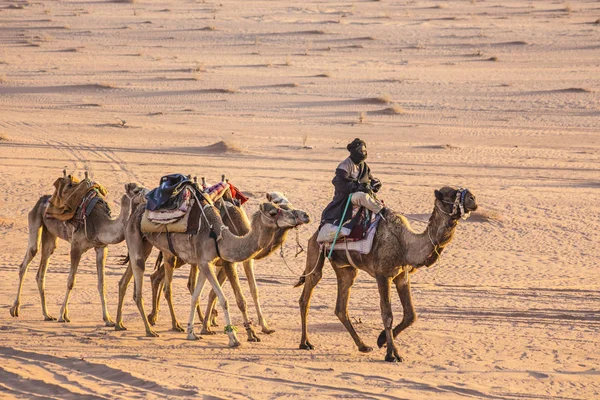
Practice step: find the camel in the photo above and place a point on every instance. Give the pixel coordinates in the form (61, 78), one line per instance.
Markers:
(46, 231)
(235, 218)
(200, 249)
(397, 251)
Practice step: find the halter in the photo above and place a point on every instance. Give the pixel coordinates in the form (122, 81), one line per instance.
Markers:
(458, 205)
(276, 218)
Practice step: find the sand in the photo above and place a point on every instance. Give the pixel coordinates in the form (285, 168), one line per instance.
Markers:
(501, 97)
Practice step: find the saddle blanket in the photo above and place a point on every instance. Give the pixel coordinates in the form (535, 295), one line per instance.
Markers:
(363, 246)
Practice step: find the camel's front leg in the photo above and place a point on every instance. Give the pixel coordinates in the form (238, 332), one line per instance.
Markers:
(48, 247)
(138, 265)
(75, 258)
(383, 284)
(169, 267)
(157, 282)
(210, 305)
(403, 288)
(192, 286)
(35, 230)
(230, 329)
(199, 285)
(313, 273)
(249, 270)
(232, 275)
(345, 280)
(123, 283)
(100, 268)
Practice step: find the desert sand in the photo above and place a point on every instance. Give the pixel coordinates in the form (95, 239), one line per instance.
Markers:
(499, 96)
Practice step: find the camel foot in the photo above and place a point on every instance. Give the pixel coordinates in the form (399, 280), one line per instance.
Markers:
(177, 328)
(120, 327)
(64, 318)
(152, 319)
(109, 322)
(206, 331)
(365, 349)
(252, 337)
(306, 346)
(382, 339)
(393, 358)
(268, 331)
(151, 333)
(234, 342)
(49, 318)
(193, 336)
(14, 311)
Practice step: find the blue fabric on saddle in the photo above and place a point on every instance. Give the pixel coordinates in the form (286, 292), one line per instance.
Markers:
(168, 195)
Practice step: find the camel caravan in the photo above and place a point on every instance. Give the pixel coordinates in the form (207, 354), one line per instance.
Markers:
(207, 227)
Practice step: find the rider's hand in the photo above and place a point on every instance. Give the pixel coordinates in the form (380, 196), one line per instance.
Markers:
(364, 187)
(375, 185)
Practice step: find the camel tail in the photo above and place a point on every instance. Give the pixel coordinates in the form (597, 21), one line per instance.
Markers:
(318, 267)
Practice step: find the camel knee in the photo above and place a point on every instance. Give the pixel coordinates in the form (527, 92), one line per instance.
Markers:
(71, 285)
(341, 314)
(410, 319)
(31, 252)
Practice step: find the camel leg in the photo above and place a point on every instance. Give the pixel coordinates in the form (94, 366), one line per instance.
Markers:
(35, 232)
(210, 305)
(314, 262)
(75, 258)
(208, 271)
(157, 281)
(195, 296)
(100, 268)
(403, 288)
(48, 247)
(383, 284)
(345, 280)
(123, 283)
(138, 265)
(169, 268)
(249, 270)
(192, 285)
(234, 280)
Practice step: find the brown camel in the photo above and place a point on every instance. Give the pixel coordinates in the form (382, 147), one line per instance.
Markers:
(235, 218)
(202, 250)
(397, 251)
(46, 231)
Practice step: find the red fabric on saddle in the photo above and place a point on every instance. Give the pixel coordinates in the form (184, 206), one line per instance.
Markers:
(236, 194)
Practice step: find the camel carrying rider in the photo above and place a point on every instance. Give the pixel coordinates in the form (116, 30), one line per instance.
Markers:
(353, 176)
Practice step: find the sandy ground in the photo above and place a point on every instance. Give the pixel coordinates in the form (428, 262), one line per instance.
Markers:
(501, 97)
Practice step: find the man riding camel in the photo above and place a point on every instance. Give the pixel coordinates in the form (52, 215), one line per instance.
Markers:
(353, 176)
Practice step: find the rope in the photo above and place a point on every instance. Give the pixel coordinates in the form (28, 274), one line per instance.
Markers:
(337, 233)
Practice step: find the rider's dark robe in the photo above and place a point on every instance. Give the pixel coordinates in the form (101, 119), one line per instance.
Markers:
(348, 177)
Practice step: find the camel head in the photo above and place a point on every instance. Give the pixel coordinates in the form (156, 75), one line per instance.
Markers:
(276, 217)
(457, 203)
(135, 193)
(280, 200)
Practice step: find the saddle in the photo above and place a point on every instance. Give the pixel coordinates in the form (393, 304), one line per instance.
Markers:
(70, 195)
(175, 206)
(355, 229)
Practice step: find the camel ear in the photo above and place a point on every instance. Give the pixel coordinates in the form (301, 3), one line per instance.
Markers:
(439, 195)
(269, 197)
(269, 208)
